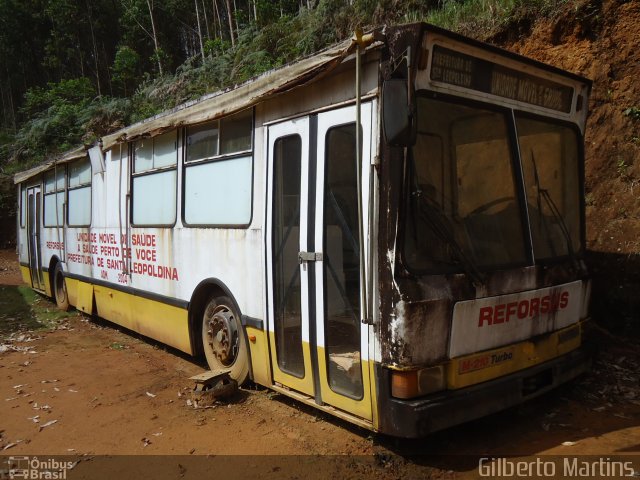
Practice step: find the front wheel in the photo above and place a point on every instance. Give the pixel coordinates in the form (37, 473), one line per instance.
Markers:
(60, 289)
(223, 338)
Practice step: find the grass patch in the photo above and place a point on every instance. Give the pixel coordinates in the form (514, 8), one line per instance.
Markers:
(22, 309)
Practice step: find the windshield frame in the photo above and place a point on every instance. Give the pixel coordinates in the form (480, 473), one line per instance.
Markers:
(519, 186)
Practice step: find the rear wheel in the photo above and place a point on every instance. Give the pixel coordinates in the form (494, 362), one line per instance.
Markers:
(223, 338)
(60, 289)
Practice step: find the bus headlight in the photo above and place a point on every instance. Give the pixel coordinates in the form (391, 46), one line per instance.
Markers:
(415, 383)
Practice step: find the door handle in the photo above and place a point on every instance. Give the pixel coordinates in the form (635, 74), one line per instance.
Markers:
(309, 257)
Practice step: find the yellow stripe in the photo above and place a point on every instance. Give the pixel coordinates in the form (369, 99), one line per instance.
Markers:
(47, 284)
(304, 384)
(375, 419)
(26, 274)
(165, 323)
(72, 290)
(362, 407)
(259, 356)
(471, 369)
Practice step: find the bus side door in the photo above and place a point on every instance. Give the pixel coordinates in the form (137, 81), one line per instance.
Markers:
(34, 221)
(318, 345)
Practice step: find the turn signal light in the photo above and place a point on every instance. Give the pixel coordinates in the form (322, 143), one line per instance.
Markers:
(416, 383)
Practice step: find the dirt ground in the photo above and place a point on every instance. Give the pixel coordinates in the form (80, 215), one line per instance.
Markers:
(87, 388)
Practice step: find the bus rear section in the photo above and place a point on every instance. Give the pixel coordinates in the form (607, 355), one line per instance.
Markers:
(483, 290)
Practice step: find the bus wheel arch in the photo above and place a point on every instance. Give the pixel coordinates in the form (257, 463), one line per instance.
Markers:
(58, 284)
(217, 332)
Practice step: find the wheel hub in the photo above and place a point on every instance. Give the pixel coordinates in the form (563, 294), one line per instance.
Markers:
(223, 336)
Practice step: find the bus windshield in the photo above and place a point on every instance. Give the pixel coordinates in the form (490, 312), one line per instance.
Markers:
(463, 212)
(549, 155)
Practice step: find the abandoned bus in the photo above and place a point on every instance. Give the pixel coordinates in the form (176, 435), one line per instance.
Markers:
(391, 230)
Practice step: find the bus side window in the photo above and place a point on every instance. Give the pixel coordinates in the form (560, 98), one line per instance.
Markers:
(155, 179)
(54, 184)
(23, 207)
(218, 172)
(79, 210)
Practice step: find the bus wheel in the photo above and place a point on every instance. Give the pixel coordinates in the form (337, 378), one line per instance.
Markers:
(223, 339)
(60, 289)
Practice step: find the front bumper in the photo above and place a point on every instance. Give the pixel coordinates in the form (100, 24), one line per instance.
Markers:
(416, 418)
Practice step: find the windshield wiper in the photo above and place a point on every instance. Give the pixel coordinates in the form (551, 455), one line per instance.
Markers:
(555, 212)
(439, 223)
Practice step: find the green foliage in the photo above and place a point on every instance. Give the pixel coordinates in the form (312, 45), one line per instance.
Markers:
(125, 69)
(64, 115)
(38, 100)
(80, 46)
(56, 115)
(632, 112)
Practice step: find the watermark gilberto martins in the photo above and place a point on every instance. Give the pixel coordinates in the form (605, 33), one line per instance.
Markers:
(559, 467)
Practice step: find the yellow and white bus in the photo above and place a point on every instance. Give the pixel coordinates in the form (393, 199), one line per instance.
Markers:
(391, 230)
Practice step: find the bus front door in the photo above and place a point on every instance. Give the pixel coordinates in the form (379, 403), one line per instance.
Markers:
(34, 219)
(319, 346)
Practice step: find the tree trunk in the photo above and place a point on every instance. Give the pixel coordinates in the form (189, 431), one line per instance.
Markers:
(155, 37)
(235, 16)
(217, 26)
(230, 17)
(10, 97)
(199, 29)
(5, 121)
(95, 48)
(206, 20)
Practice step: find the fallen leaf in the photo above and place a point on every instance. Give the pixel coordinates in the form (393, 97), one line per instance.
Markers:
(11, 445)
(48, 424)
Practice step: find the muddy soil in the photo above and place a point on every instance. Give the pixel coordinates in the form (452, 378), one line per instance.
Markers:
(87, 388)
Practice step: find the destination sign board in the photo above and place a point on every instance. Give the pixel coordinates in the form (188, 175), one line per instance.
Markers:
(455, 68)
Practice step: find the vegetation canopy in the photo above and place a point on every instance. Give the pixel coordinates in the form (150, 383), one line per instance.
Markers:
(77, 69)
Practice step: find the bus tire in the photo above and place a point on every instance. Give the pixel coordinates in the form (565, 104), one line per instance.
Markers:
(60, 289)
(223, 339)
